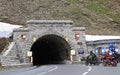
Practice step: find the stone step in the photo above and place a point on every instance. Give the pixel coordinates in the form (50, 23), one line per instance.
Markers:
(9, 60)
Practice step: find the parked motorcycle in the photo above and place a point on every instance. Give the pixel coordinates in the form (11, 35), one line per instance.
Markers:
(109, 61)
(116, 57)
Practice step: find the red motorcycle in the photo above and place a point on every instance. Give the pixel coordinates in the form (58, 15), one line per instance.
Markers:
(109, 60)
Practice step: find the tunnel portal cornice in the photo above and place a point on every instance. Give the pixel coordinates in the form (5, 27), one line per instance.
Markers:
(78, 28)
(49, 22)
(21, 30)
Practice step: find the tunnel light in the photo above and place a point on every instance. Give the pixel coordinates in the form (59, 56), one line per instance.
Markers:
(34, 39)
(67, 39)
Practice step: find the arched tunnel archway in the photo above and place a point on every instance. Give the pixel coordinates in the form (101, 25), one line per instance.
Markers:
(50, 49)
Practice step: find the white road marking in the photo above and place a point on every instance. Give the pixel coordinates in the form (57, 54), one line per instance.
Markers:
(42, 73)
(53, 69)
(84, 73)
(89, 69)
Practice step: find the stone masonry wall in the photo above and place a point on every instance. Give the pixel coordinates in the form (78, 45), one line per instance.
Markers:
(39, 28)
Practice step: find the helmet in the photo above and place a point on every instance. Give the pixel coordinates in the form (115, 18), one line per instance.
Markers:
(91, 52)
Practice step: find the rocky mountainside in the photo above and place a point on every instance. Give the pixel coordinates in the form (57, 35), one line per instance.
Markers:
(100, 17)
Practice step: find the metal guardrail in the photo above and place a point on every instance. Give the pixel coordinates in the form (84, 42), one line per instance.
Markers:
(102, 41)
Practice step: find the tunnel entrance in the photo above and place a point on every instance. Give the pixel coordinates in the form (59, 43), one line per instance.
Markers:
(50, 49)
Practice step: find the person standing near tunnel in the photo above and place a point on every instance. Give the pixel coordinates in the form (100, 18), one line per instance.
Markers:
(91, 59)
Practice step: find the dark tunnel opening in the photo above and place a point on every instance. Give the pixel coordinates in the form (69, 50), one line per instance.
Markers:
(50, 49)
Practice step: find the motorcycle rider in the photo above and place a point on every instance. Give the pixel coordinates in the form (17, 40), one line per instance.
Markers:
(108, 56)
(92, 58)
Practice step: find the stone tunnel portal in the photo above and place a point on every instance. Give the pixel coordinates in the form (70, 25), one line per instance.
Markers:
(50, 49)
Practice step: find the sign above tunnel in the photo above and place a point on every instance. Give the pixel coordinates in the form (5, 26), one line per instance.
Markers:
(77, 35)
(23, 36)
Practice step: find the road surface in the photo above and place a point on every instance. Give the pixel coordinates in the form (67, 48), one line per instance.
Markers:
(65, 69)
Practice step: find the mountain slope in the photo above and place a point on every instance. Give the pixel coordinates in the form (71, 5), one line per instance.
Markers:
(98, 16)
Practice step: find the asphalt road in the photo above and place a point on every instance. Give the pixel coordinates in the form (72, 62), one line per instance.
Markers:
(75, 69)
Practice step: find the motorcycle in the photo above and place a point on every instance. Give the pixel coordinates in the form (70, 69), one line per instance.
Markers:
(109, 60)
(91, 61)
(117, 57)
